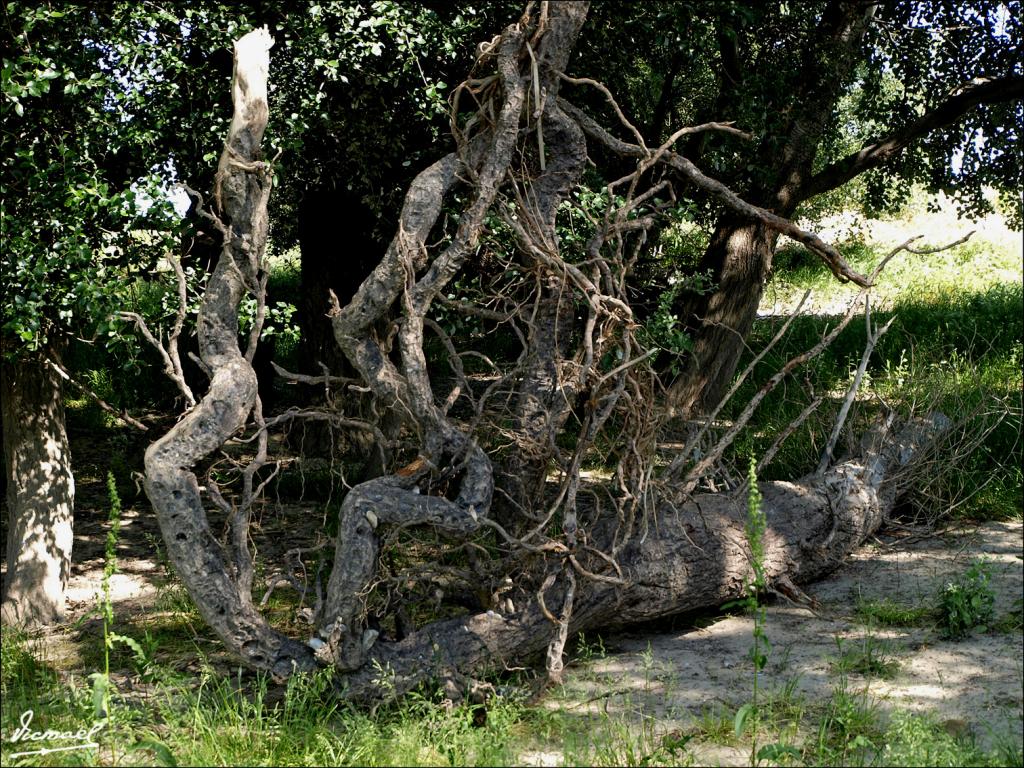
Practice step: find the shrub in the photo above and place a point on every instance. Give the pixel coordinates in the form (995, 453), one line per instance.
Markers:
(967, 604)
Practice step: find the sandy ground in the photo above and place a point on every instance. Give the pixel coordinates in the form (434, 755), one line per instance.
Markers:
(669, 679)
(973, 686)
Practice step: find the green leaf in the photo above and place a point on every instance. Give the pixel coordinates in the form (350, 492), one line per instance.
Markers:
(164, 756)
(140, 654)
(862, 742)
(100, 687)
(777, 752)
(741, 718)
(94, 611)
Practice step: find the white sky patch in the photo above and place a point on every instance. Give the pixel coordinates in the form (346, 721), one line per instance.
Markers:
(956, 162)
(162, 184)
(179, 199)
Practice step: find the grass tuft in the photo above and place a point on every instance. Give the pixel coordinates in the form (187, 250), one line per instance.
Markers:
(868, 656)
(891, 613)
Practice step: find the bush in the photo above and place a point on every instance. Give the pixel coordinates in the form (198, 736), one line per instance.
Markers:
(968, 603)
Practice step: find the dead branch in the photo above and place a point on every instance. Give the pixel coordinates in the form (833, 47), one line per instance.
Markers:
(723, 194)
(713, 456)
(695, 440)
(87, 391)
(790, 428)
(169, 352)
(326, 379)
(874, 333)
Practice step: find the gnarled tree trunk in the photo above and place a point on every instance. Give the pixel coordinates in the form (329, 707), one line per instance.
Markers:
(695, 556)
(653, 550)
(219, 580)
(40, 492)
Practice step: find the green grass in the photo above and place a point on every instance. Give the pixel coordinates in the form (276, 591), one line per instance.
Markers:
(956, 346)
(891, 613)
(914, 740)
(868, 656)
(715, 725)
(972, 267)
(1011, 621)
(211, 716)
(603, 739)
(240, 719)
(844, 729)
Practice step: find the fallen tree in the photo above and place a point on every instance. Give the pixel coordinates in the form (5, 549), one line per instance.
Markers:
(694, 556)
(496, 462)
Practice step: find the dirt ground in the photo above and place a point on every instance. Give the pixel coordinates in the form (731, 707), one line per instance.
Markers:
(672, 678)
(973, 686)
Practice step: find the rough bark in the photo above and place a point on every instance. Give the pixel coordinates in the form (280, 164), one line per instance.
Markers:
(738, 257)
(545, 393)
(217, 577)
(694, 556)
(740, 254)
(40, 493)
(407, 277)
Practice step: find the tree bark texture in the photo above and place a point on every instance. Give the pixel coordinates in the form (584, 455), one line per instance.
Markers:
(738, 257)
(694, 556)
(40, 493)
(740, 253)
(218, 577)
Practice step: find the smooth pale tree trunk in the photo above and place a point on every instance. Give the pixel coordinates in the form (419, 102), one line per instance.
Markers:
(40, 493)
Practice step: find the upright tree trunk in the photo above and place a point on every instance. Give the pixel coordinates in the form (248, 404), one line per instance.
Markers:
(739, 258)
(740, 253)
(40, 493)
